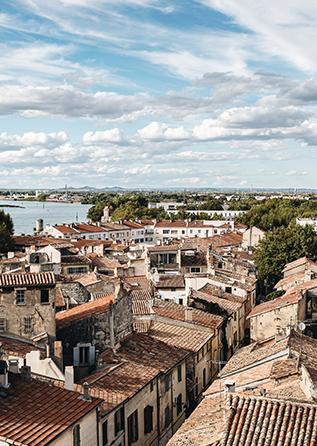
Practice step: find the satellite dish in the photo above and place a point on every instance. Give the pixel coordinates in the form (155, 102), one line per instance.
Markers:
(301, 326)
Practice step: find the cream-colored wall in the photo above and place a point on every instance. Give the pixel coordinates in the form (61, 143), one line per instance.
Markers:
(88, 432)
(113, 440)
(264, 326)
(203, 360)
(144, 398)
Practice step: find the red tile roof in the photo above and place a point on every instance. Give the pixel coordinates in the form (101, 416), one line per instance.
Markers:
(163, 248)
(178, 312)
(188, 338)
(133, 224)
(136, 363)
(228, 305)
(68, 317)
(298, 262)
(34, 413)
(171, 224)
(15, 346)
(26, 279)
(265, 421)
(170, 281)
(282, 301)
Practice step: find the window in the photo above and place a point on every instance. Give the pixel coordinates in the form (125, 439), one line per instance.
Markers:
(45, 297)
(196, 387)
(183, 231)
(83, 355)
(3, 325)
(179, 404)
(105, 433)
(133, 428)
(204, 378)
(28, 324)
(151, 386)
(148, 419)
(119, 420)
(179, 373)
(195, 270)
(167, 417)
(166, 231)
(77, 270)
(76, 435)
(228, 289)
(181, 301)
(19, 297)
(167, 382)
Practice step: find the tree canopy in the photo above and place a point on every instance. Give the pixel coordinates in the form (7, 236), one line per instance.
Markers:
(281, 246)
(6, 232)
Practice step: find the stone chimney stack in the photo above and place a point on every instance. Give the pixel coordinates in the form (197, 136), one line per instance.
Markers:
(188, 314)
(4, 375)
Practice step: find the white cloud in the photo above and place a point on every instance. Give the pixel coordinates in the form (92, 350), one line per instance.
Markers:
(108, 136)
(156, 131)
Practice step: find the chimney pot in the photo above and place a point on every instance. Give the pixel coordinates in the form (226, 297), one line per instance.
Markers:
(86, 395)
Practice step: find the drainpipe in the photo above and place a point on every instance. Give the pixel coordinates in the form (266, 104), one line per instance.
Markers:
(158, 406)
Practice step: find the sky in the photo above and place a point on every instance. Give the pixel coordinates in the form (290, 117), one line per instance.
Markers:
(157, 93)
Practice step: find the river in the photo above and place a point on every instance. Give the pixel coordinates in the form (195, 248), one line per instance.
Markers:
(25, 216)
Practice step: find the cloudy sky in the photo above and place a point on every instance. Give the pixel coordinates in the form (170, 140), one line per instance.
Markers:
(151, 93)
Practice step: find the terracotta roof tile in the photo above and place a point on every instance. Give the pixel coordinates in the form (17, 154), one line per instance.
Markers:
(227, 305)
(264, 421)
(67, 317)
(26, 279)
(171, 224)
(175, 311)
(34, 413)
(170, 281)
(136, 363)
(282, 301)
(163, 248)
(188, 338)
(16, 346)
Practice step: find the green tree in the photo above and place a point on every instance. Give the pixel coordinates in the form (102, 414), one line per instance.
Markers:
(6, 232)
(281, 246)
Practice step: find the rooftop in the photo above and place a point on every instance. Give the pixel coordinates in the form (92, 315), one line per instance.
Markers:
(10, 345)
(34, 413)
(290, 298)
(68, 317)
(136, 363)
(11, 280)
(170, 281)
(191, 339)
(178, 312)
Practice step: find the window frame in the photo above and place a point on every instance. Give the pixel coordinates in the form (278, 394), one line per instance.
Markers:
(119, 421)
(76, 435)
(28, 324)
(45, 302)
(148, 419)
(18, 300)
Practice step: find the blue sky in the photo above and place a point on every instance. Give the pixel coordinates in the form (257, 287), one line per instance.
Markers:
(150, 93)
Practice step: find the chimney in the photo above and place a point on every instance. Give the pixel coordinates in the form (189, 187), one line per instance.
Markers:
(230, 386)
(4, 375)
(69, 377)
(14, 366)
(188, 314)
(86, 396)
(25, 371)
(58, 353)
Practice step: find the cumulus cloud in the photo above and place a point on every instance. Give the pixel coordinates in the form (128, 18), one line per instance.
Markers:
(107, 136)
(156, 131)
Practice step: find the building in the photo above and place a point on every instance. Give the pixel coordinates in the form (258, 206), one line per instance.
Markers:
(266, 394)
(143, 387)
(277, 315)
(35, 413)
(77, 231)
(251, 237)
(27, 305)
